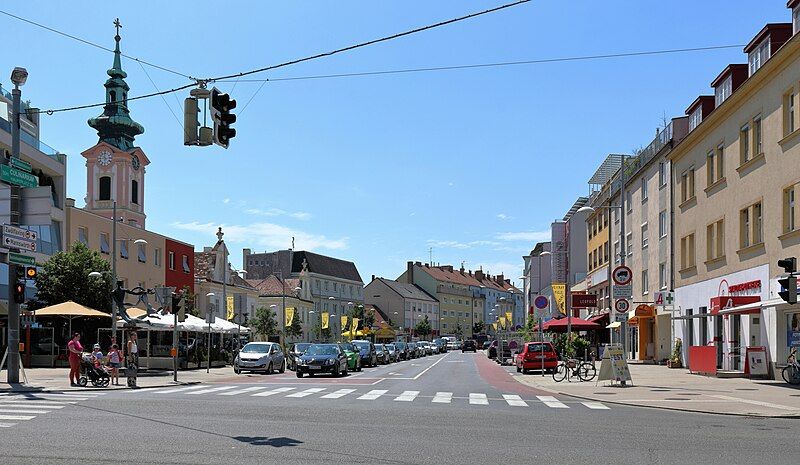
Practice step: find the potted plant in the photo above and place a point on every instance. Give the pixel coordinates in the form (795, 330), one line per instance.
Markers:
(675, 360)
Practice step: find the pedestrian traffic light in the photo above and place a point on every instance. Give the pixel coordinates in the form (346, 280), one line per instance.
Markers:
(30, 272)
(788, 264)
(221, 106)
(788, 290)
(19, 272)
(19, 292)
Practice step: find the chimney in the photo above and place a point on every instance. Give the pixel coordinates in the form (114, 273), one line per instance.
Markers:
(479, 275)
(373, 278)
(69, 202)
(500, 279)
(448, 268)
(410, 273)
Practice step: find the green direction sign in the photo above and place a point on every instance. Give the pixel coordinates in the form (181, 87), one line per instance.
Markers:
(17, 177)
(20, 259)
(20, 164)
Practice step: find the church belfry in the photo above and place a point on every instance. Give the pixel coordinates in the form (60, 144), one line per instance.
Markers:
(115, 167)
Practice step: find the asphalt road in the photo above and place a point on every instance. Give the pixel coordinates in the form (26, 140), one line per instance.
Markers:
(445, 409)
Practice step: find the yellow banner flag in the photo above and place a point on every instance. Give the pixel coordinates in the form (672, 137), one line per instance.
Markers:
(510, 317)
(494, 326)
(229, 307)
(502, 322)
(289, 316)
(354, 325)
(560, 296)
(325, 319)
(343, 321)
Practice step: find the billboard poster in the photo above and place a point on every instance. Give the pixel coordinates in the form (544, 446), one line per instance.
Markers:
(793, 330)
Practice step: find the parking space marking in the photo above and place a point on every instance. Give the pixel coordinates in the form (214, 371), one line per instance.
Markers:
(443, 398)
(338, 394)
(407, 396)
(514, 400)
(272, 392)
(207, 391)
(478, 399)
(551, 402)
(307, 392)
(374, 394)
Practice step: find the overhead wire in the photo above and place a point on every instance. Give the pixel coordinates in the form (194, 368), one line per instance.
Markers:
(169, 107)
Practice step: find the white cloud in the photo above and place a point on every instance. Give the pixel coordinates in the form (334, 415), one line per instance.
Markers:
(450, 183)
(510, 271)
(525, 236)
(277, 212)
(503, 216)
(226, 200)
(267, 235)
(461, 245)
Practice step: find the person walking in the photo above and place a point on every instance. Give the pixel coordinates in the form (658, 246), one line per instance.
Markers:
(75, 350)
(114, 361)
(132, 356)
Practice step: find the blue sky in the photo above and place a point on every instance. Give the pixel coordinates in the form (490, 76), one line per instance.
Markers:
(474, 163)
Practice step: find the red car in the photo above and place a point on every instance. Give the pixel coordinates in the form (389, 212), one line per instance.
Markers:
(532, 354)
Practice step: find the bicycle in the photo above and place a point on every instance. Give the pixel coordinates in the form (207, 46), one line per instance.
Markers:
(584, 371)
(791, 373)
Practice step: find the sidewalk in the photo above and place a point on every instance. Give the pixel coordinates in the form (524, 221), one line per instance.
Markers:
(676, 389)
(57, 379)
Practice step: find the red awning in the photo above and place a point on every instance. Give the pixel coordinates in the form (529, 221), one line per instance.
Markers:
(725, 302)
(578, 324)
(598, 318)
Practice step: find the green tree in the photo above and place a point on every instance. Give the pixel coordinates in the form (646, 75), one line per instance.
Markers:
(366, 318)
(459, 330)
(296, 328)
(264, 322)
(478, 327)
(65, 276)
(423, 328)
(528, 331)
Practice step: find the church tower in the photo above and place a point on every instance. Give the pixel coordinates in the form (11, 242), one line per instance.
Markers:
(115, 168)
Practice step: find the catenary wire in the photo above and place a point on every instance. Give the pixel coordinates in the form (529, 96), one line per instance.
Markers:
(169, 107)
(84, 41)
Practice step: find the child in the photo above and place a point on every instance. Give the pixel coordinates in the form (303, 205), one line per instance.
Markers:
(97, 356)
(114, 361)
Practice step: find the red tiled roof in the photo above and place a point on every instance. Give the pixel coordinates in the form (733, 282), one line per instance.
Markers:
(272, 285)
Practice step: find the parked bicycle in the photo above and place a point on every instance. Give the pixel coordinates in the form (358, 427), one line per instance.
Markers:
(566, 369)
(791, 373)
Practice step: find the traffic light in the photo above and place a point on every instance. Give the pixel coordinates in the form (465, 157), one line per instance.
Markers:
(19, 292)
(221, 106)
(179, 307)
(19, 272)
(788, 264)
(788, 290)
(30, 272)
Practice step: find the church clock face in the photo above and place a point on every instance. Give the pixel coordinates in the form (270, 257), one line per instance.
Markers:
(104, 158)
(135, 162)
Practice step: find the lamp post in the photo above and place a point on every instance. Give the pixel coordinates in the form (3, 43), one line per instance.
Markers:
(311, 317)
(209, 315)
(114, 240)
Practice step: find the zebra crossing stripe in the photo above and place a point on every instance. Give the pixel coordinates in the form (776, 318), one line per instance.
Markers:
(170, 391)
(242, 391)
(442, 397)
(338, 394)
(17, 417)
(551, 402)
(7, 425)
(29, 404)
(307, 392)
(216, 389)
(374, 394)
(478, 399)
(4, 410)
(596, 405)
(514, 400)
(272, 392)
(407, 396)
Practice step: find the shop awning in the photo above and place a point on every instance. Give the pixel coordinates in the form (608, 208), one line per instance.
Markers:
(70, 309)
(751, 308)
(577, 324)
(641, 312)
(598, 318)
(614, 325)
(721, 303)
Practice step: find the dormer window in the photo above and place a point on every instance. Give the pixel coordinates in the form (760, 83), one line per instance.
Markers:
(723, 90)
(758, 56)
(696, 118)
(796, 19)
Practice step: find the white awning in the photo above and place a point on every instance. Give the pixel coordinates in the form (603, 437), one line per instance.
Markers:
(614, 325)
(750, 308)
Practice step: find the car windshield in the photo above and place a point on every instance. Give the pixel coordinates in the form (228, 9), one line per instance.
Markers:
(301, 347)
(378, 346)
(362, 345)
(538, 348)
(256, 348)
(390, 346)
(322, 350)
(401, 345)
(347, 346)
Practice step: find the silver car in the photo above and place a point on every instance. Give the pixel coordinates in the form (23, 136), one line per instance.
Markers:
(260, 356)
(394, 354)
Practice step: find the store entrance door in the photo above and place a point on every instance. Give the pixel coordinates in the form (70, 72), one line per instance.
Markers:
(718, 331)
(736, 342)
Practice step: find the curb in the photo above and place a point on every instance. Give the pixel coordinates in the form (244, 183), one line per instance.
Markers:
(42, 389)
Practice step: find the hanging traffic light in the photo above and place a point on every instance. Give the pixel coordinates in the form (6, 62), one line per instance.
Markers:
(788, 290)
(19, 292)
(221, 106)
(179, 307)
(788, 264)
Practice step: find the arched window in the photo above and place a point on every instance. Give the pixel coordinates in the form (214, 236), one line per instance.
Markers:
(105, 188)
(112, 96)
(135, 192)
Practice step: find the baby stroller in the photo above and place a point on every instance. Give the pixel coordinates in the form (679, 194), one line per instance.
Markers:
(97, 375)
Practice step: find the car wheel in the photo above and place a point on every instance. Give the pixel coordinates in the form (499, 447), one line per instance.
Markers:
(358, 365)
(311, 374)
(299, 374)
(269, 369)
(282, 369)
(237, 370)
(344, 373)
(519, 370)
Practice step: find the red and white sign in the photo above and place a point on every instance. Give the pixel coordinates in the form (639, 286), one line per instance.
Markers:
(725, 302)
(622, 275)
(622, 305)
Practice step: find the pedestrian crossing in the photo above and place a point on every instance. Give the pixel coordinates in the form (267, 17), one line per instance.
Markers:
(19, 407)
(439, 397)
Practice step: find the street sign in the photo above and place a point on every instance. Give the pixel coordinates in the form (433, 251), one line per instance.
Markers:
(19, 164)
(664, 299)
(584, 300)
(622, 291)
(622, 305)
(17, 177)
(21, 244)
(541, 302)
(20, 259)
(18, 233)
(622, 275)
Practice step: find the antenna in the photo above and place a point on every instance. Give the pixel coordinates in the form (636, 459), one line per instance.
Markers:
(292, 242)
(430, 255)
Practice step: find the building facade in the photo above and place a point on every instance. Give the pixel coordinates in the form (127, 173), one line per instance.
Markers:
(404, 304)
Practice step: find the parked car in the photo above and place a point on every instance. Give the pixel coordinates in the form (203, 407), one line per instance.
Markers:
(382, 354)
(469, 345)
(295, 351)
(394, 353)
(366, 350)
(413, 350)
(504, 353)
(441, 345)
(353, 360)
(402, 350)
(492, 352)
(453, 345)
(434, 347)
(486, 345)
(429, 348)
(260, 356)
(532, 355)
(322, 358)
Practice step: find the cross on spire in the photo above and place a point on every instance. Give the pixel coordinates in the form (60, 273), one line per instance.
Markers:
(117, 25)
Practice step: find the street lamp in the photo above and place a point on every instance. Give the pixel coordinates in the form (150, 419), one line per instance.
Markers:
(209, 317)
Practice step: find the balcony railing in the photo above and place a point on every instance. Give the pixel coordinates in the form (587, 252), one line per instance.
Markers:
(34, 142)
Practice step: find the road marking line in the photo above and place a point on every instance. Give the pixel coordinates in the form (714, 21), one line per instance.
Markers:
(207, 391)
(756, 402)
(596, 405)
(242, 391)
(514, 400)
(7, 425)
(71, 400)
(4, 410)
(433, 365)
(17, 417)
(443, 397)
(478, 399)
(307, 392)
(45, 396)
(551, 402)
(338, 394)
(272, 392)
(29, 404)
(407, 396)
(372, 395)
(133, 391)
(170, 391)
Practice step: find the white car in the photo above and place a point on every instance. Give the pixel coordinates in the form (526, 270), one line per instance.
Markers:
(260, 356)
(453, 345)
